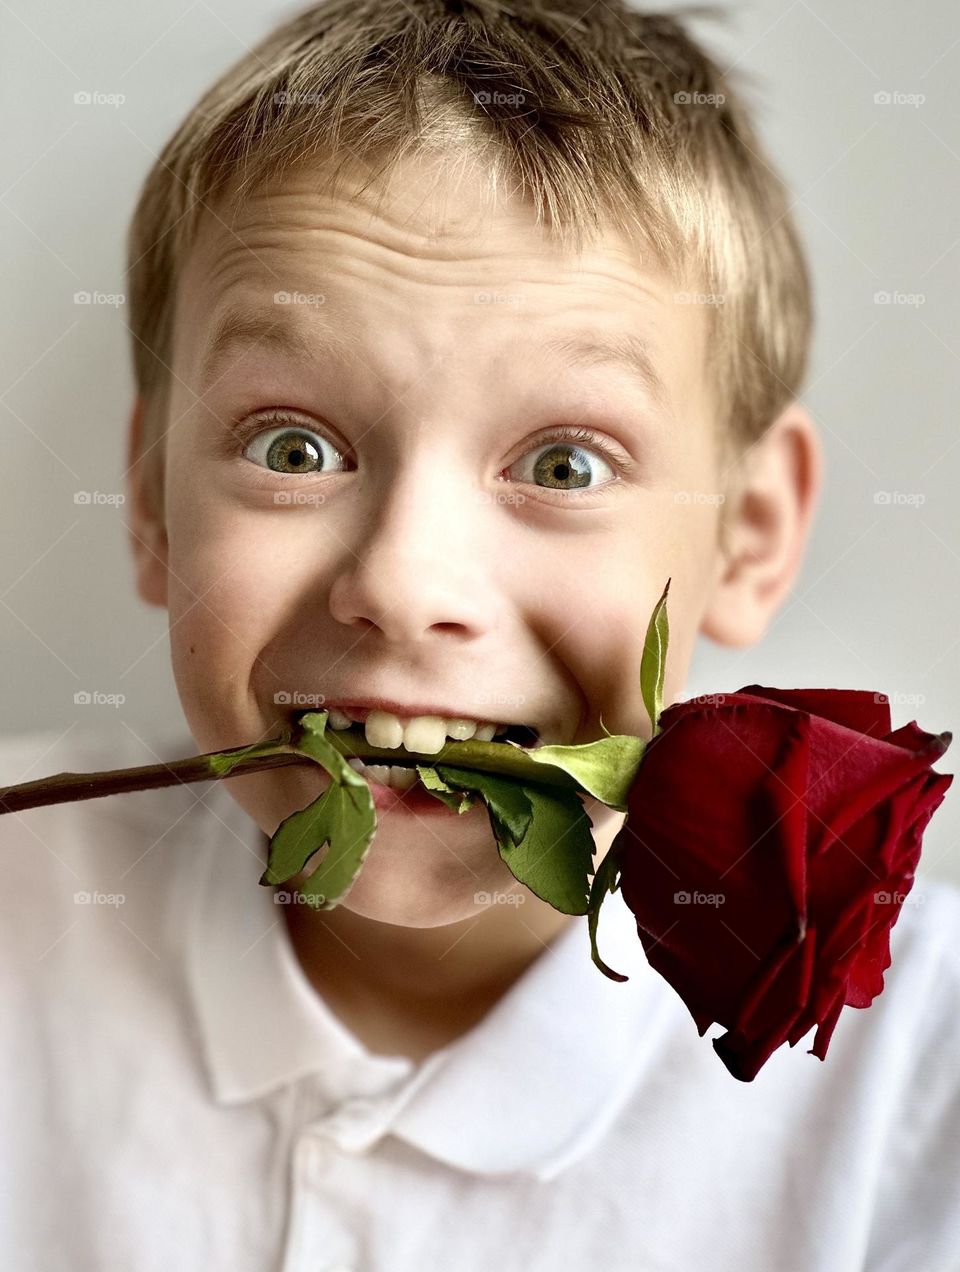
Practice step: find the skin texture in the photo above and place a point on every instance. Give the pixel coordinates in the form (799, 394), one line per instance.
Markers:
(429, 561)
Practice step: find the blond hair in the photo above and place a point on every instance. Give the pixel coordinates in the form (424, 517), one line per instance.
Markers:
(597, 113)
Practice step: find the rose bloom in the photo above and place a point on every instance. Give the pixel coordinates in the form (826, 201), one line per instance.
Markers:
(770, 840)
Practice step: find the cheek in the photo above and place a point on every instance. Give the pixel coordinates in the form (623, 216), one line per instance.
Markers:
(225, 591)
(600, 605)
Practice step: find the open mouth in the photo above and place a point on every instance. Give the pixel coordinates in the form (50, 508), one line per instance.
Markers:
(519, 734)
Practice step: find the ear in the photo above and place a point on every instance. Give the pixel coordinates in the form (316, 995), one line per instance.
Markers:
(145, 520)
(763, 530)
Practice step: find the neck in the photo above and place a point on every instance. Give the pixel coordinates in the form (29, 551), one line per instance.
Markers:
(408, 990)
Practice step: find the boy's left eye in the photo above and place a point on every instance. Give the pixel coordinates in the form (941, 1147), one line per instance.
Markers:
(564, 463)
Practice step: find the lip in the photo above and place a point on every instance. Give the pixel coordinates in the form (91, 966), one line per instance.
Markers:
(416, 799)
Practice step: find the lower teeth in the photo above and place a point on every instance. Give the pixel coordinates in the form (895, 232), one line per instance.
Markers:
(397, 776)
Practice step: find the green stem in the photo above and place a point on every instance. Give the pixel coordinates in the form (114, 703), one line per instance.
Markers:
(61, 788)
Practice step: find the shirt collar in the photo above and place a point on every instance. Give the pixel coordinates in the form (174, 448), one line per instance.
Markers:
(530, 1088)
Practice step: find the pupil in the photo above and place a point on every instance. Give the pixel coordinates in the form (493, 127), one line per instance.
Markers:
(563, 473)
(293, 452)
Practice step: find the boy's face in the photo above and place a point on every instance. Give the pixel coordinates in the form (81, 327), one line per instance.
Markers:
(396, 563)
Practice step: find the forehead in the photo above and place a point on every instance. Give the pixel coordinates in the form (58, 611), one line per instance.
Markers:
(426, 265)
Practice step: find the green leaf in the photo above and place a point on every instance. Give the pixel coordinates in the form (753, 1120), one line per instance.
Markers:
(653, 662)
(605, 769)
(459, 801)
(344, 817)
(547, 846)
(605, 880)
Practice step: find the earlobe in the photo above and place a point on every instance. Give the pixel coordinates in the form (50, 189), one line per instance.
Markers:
(144, 521)
(765, 526)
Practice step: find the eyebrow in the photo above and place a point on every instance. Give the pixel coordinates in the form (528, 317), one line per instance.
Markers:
(623, 350)
(280, 333)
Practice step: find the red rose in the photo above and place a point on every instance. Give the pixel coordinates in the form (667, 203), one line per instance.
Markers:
(770, 839)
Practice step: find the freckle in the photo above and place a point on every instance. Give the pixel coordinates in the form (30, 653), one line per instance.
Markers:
(192, 650)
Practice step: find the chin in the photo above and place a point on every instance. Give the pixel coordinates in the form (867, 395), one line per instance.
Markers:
(404, 885)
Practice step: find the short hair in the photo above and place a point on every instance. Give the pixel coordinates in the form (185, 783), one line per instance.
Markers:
(599, 114)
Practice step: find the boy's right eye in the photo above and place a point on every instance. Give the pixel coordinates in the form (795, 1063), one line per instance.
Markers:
(292, 450)
(290, 447)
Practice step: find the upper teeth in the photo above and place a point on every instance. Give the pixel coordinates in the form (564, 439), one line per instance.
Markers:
(426, 734)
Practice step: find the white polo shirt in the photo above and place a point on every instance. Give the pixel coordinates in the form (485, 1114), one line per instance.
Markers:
(176, 1097)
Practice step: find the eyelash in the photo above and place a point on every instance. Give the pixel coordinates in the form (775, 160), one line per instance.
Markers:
(243, 431)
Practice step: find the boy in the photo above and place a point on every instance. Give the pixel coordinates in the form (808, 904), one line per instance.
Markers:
(458, 329)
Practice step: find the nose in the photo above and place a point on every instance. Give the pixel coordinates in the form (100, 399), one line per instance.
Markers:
(415, 562)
